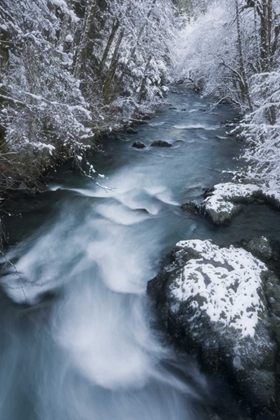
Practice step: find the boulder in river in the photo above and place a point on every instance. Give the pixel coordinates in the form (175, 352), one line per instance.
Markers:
(213, 303)
(138, 145)
(262, 248)
(191, 207)
(224, 201)
(131, 130)
(161, 143)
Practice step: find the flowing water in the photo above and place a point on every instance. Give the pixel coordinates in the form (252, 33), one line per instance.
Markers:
(77, 341)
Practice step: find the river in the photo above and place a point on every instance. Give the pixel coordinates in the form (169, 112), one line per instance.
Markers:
(77, 335)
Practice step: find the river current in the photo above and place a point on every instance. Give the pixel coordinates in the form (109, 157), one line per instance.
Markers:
(77, 335)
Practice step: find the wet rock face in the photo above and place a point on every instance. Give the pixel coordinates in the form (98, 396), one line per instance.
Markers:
(269, 251)
(138, 145)
(261, 248)
(191, 207)
(131, 130)
(213, 303)
(161, 143)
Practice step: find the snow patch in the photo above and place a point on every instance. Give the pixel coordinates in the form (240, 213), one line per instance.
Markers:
(229, 282)
(60, 3)
(69, 38)
(223, 194)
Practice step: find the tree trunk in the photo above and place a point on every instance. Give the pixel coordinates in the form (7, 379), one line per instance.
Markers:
(141, 95)
(111, 38)
(107, 86)
(85, 38)
(244, 85)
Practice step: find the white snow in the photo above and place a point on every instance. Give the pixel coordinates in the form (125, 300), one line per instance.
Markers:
(69, 38)
(272, 192)
(74, 18)
(60, 3)
(40, 146)
(230, 281)
(223, 194)
(204, 57)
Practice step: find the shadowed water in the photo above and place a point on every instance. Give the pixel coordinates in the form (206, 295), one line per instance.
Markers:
(76, 335)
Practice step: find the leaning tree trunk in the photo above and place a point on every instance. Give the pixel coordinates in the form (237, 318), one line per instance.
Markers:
(244, 84)
(108, 91)
(107, 86)
(268, 47)
(81, 56)
(110, 41)
(141, 95)
(265, 35)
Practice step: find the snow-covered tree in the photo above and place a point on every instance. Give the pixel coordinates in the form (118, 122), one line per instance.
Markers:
(261, 129)
(72, 69)
(43, 114)
(232, 52)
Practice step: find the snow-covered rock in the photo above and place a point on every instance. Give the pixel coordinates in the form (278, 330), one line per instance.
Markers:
(268, 250)
(224, 201)
(228, 280)
(212, 301)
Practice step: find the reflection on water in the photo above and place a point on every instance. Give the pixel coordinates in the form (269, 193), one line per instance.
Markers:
(76, 337)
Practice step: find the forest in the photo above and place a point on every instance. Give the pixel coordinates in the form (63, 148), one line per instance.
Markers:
(231, 51)
(71, 70)
(74, 70)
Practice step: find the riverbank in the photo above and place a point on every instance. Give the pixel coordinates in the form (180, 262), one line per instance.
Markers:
(247, 74)
(28, 171)
(71, 71)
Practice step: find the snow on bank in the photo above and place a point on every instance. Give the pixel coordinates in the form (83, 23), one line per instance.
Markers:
(272, 192)
(227, 280)
(231, 192)
(224, 201)
(225, 196)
